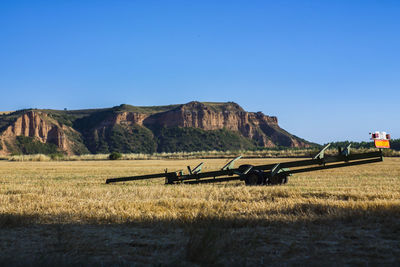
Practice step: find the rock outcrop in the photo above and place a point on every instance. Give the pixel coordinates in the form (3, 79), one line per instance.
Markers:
(39, 126)
(256, 126)
(48, 127)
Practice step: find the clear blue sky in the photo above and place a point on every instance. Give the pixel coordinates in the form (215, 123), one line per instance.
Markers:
(330, 70)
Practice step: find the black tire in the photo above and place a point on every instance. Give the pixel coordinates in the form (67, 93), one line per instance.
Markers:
(275, 180)
(253, 178)
(278, 179)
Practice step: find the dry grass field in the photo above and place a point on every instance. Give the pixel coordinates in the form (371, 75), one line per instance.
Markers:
(62, 213)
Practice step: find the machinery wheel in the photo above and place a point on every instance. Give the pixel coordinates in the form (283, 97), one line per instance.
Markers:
(275, 180)
(278, 179)
(253, 178)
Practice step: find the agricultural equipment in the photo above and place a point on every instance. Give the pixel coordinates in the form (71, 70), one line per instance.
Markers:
(269, 174)
(381, 139)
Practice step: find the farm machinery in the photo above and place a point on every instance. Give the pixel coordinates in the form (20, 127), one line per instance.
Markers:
(269, 174)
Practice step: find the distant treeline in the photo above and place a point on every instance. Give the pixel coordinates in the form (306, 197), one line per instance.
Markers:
(394, 144)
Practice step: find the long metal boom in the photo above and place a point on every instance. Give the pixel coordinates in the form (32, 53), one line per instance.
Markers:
(325, 160)
(140, 177)
(267, 172)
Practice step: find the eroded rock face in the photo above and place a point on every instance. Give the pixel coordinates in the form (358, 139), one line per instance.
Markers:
(40, 126)
(257, 126)
(129, 118)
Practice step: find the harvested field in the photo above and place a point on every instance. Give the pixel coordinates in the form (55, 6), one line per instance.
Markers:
(62, 213)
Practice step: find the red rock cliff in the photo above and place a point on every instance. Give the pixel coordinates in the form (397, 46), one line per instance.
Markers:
(257, 126)
(37, 125)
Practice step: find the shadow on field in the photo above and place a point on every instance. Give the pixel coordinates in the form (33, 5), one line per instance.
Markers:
(323, 235)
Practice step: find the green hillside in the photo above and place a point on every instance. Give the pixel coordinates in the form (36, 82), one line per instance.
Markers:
(193, 139)
(123, 139)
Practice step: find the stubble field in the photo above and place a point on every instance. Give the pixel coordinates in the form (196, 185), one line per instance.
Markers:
(62, 213)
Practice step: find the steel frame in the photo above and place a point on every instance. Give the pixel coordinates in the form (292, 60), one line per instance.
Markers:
(269, 174)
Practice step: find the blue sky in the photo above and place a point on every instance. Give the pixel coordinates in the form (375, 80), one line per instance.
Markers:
(329, 70)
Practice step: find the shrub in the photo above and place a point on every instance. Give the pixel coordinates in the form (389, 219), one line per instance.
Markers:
(56, 156)
(115, 156)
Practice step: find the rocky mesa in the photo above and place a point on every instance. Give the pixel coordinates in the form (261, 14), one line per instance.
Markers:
(193, 126)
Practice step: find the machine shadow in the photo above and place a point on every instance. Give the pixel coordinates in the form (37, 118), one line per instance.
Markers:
(344, 236)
